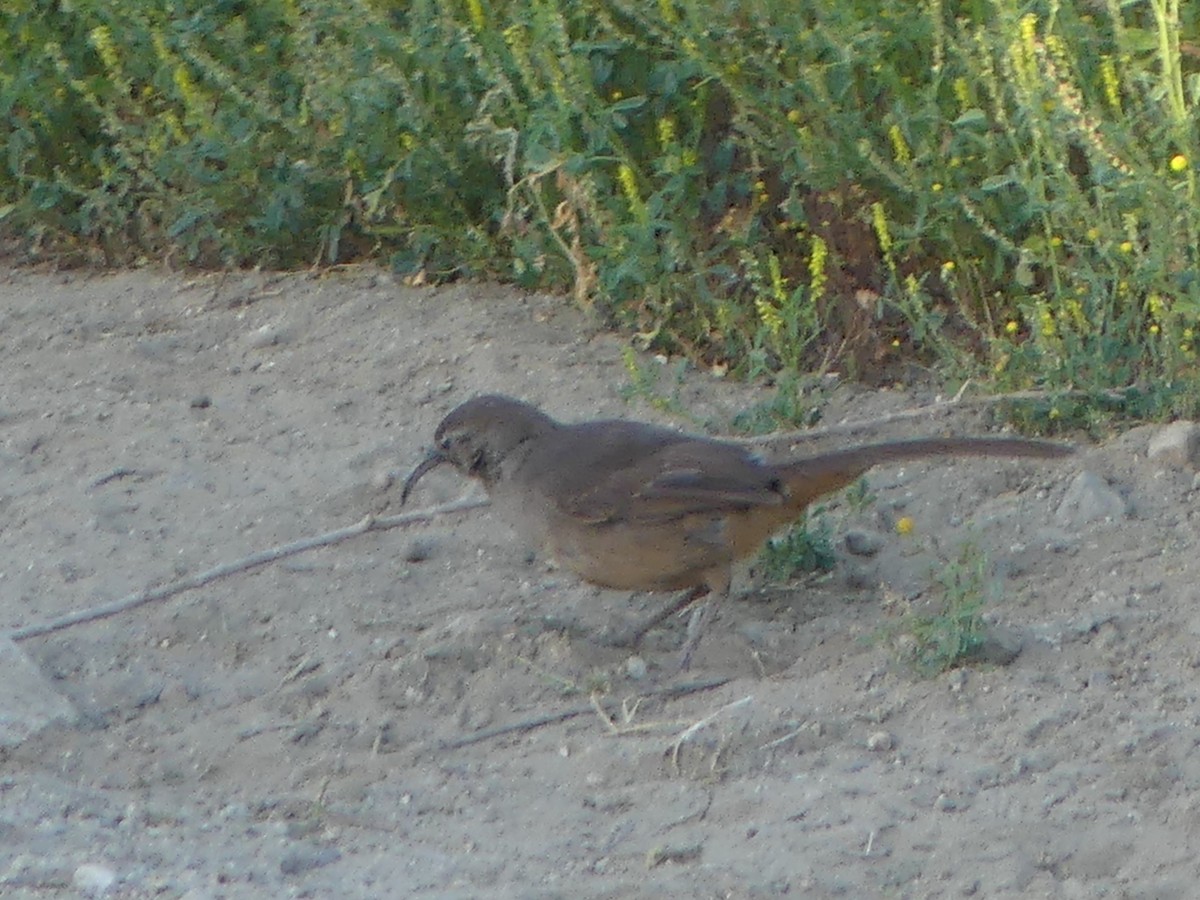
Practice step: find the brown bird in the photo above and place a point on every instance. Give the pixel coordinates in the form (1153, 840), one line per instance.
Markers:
(633, 506)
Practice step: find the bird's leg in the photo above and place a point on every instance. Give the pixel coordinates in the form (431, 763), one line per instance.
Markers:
(695, 630)
(633, 636)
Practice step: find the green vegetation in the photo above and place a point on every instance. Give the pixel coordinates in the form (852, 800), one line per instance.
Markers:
(1005, 190)
(804, 547)
(955, 633)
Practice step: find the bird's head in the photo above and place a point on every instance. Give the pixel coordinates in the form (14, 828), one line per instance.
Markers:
(477, 436)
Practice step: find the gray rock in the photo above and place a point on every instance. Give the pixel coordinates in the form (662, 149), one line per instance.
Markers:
(863, 543)
(93, 879)
(420, 549)
(998, 646)
(881, 741)
(1090, 499)
(27, 701)
(268, 335)
(304, 859)
(1176, 445)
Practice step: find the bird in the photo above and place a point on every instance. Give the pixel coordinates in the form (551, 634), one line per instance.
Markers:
(633, 506)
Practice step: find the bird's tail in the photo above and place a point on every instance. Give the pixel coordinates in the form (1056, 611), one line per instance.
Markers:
(808, 479)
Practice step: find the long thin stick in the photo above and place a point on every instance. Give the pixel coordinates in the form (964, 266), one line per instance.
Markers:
(254, 561)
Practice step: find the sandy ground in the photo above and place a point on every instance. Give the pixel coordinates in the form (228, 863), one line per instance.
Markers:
(291, 731)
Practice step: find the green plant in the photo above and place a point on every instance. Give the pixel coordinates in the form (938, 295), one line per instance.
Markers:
(1003, 190)
(644, 381)
(948, 637)
(790, 406)
(805, 547)
(859, 496)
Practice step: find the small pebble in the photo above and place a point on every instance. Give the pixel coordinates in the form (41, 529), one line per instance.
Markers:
(863, 543)
(303, 859)
(266, 336)
(419, 549)
(1176, 445)
(93, 879)
(1089, 499)
(881, 742)
(635, 668)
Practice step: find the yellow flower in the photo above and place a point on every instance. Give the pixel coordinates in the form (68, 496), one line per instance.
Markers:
(1179, 162)
(879, 220)
(904, 525)
(629, 187)
(1112, 84)
(475, 10)
(1011, 326)
(1046, 321)
(666, 132)
(816, 269)
(769, 315)
(102, 40)
(900, 149)
(962, 92)
(1126, 246)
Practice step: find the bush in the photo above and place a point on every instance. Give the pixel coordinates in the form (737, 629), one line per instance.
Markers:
(763, 184)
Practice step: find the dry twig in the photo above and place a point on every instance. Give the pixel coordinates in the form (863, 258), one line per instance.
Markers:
(246, 564)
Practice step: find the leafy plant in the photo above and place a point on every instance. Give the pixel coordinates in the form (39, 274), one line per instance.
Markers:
(950, 636)
(804, 547)
(1003, 191)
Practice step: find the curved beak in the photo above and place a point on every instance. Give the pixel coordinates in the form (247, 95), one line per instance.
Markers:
(434, 459)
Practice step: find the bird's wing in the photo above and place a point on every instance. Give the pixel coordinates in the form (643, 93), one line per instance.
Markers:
(685, 477)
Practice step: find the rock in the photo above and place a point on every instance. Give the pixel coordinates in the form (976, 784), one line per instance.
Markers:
(1176, 445)
(945, 803)
(881, 742)
(28, 703)
(1055, 540)
(267, 336)
(93, 879)
(303, 859)
(863, 543)
(635, 668)
(1090, 499)
(419, 549)
(998, 646)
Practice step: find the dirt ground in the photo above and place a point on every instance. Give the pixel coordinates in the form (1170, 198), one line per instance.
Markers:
(298, 730)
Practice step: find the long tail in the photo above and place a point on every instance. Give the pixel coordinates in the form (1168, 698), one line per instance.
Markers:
(813, 477)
